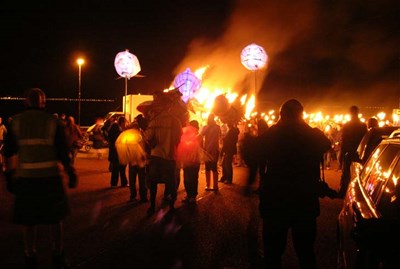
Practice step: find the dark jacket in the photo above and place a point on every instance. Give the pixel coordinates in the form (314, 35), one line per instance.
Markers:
(292, 153)
(230, 140)
(113, 133)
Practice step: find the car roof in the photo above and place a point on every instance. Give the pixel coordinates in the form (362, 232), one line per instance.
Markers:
(395, 133)
(372, 138)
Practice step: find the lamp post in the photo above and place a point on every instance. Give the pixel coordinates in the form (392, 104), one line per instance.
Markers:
(80, 62)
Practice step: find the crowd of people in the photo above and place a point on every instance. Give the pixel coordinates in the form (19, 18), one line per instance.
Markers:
(284, 158)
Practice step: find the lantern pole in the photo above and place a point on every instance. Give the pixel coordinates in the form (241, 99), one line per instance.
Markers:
(126, 93)
(127, 66)
(255, 90)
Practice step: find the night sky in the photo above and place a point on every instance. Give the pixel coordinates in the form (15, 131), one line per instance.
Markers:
(327, 54)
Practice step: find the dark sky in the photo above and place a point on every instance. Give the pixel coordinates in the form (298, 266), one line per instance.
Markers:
(326, 53)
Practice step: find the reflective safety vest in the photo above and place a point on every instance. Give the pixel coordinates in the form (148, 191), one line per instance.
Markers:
(35, 133)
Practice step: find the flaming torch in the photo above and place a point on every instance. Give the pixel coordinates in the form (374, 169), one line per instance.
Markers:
(254, 57)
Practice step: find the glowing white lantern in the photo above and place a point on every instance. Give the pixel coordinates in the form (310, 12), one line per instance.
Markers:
(187, 83)
(126, 64)
(253, 57)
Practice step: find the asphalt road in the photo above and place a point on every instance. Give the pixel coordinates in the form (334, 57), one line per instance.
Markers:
(104, 230)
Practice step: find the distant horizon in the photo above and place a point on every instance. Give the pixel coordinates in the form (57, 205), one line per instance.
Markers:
(91, 110)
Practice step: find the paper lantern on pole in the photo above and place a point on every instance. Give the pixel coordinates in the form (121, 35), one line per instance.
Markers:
(187, 83)
(253, 57)
(126, 64)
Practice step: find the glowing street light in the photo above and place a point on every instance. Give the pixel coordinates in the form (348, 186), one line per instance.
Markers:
(80, 62)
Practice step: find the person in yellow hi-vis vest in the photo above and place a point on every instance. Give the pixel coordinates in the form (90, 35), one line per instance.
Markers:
(34, 147)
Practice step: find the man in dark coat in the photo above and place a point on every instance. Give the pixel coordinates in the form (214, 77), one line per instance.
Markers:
(352, 133)
(229, 149)
(289, 196)
(117, 170)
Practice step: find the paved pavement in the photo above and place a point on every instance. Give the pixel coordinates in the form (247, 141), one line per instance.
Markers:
(104, 230)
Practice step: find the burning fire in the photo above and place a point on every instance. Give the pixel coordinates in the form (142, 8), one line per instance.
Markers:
(205, 96)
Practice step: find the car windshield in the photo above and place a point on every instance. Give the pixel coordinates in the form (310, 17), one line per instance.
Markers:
(389, 205)
(380, 171)
(110, 114)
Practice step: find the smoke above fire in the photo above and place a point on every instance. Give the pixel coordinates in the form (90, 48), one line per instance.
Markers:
(324, 53)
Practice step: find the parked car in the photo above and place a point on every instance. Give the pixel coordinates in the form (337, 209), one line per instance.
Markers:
(396, 133)
(368, 143)
(115, 114)
(368, 226)
(371, 139)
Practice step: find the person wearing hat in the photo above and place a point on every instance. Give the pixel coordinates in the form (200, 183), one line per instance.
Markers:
(289, 196)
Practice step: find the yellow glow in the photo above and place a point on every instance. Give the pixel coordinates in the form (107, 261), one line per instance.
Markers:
(200, 72)
(381, 115)
(249, 107)
(318, 117)
(243, 99)
(231, 96)
(327, 128)
(80, 61)
(395, 180)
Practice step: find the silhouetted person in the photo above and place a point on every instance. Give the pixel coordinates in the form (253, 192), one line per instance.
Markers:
(138, 172)
(106, 128)
(3, 132)
(372, 122)
(163, 134)
(34, 146)
(352, 133)
(250, 156)
(188, 157)
(74, 137)
(229, 149)
(289, 198)
(99, 140)
(262, 127)
(211, 134)
(117, 170)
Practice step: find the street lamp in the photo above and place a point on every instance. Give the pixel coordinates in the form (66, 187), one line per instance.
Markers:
(80, 62)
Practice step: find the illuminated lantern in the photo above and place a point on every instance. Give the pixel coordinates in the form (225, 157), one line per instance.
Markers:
(130, 150)
(253, 57)
(187, 83)
(126, 64)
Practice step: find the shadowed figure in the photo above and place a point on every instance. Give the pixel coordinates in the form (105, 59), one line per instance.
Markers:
(34, 147)
(163, 134)
(352, 133)
(211, 134)
(289, 197)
